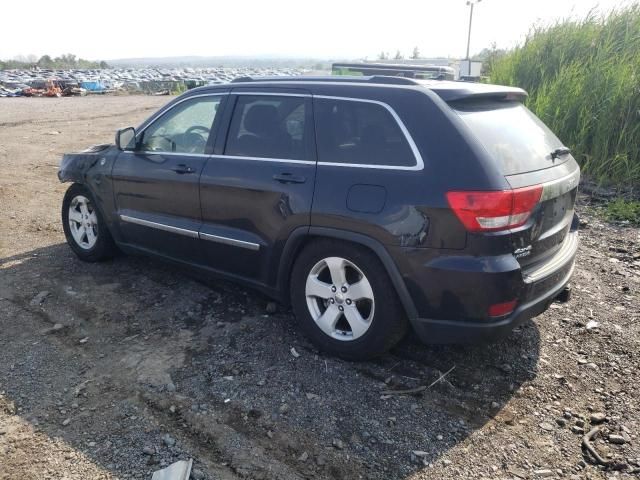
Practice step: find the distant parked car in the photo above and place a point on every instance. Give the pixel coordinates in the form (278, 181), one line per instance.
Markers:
(367, 203)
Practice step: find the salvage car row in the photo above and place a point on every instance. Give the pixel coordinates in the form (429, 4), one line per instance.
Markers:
(56, 83)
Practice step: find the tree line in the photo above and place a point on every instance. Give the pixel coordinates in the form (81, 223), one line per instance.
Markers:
(415, 54)
(65, 61)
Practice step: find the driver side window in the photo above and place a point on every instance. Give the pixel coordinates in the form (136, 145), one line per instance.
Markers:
(183, 129)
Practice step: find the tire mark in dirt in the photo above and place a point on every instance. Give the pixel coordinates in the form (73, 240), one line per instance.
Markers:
(22, 305)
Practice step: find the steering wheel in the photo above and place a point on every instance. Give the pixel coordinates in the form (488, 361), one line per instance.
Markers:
(193, 129)
(191, 143)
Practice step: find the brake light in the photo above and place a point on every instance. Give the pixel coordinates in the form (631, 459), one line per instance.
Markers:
(500, 309)
(494, 210)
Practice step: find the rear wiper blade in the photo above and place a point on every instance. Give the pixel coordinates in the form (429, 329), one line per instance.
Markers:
(559, 152)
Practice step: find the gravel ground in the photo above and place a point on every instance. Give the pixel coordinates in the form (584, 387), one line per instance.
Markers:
(114, 370)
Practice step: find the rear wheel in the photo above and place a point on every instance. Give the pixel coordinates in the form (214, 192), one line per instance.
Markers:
(84, 227)
(565, 295)
(344, 301)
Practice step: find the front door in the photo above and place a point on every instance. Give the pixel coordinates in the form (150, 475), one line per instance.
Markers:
(258, 186)
(156, 185)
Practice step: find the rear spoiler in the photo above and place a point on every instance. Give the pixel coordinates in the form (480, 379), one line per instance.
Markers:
(462, 91)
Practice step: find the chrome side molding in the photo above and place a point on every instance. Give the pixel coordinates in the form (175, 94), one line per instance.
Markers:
(191, 233)
(159, 226)
(230, 241)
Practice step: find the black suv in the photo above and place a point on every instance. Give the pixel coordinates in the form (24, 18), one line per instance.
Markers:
(366, 203)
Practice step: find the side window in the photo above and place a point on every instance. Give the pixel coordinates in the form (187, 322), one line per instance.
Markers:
(269, 127)
(183, 129)
(359, 132)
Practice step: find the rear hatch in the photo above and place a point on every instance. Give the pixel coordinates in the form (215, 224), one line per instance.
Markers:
(531, 158)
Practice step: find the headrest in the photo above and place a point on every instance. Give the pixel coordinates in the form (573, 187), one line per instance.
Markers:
(261, 119)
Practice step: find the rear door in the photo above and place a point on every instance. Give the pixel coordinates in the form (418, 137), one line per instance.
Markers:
(528, 153)
(258, 186)
(156, 186)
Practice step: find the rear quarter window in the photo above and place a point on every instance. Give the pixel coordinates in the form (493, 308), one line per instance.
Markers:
(360, 133)
(516, 139)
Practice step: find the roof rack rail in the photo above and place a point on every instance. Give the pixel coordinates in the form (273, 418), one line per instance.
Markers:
(243, 79)
(382, 79)
(392, 80)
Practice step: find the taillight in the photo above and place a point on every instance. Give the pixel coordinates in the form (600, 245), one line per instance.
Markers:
(494, 210)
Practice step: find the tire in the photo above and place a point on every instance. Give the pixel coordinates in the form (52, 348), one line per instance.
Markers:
(96, 243)
(381, 323)
(565, 295)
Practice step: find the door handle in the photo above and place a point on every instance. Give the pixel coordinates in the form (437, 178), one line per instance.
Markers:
(289, 178)
(182, 168)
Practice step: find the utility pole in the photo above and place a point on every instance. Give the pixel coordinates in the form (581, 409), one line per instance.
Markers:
(470, 3)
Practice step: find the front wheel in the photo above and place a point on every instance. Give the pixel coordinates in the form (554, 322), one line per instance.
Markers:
(344, 300)
(84, 227)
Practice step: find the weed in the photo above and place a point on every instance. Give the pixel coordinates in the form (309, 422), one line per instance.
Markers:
(623, 210)
(583, 79)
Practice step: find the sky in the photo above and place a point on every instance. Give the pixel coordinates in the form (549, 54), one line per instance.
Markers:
(327, 29)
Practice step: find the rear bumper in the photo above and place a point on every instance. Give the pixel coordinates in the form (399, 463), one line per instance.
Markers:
(539, 289)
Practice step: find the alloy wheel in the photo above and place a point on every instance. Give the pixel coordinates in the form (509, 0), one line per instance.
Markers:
(340, 298)
(83, 222)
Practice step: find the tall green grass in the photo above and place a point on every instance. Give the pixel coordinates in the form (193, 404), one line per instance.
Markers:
(583, 79)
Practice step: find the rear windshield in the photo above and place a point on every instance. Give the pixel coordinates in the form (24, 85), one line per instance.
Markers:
(513, 136)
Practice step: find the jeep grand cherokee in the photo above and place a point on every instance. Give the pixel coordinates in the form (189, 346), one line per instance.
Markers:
(366, 203)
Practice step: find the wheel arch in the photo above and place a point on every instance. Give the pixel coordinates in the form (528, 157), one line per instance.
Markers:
(302, 236)
(82, 184)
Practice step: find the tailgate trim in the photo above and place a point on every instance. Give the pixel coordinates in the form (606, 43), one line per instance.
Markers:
(560, 186)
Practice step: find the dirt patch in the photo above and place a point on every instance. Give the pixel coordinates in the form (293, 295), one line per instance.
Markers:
(114, 370)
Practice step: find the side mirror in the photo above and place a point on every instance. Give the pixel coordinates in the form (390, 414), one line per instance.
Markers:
(126, 138)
